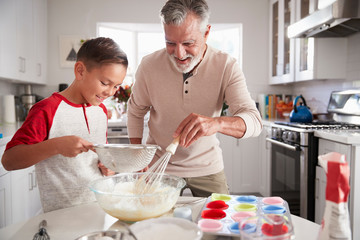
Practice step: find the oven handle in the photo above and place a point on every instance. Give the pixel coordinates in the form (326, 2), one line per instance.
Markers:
(290, 147)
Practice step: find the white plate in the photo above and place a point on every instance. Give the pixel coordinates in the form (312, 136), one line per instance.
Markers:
(166, 228)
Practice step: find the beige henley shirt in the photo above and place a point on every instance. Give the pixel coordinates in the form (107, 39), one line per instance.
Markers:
(160, 89)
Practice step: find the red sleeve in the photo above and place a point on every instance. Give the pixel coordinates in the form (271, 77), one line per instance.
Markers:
(37, 125)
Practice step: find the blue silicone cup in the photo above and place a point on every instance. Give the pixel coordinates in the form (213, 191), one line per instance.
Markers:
(234, 227)
(274, 209)
(247, 199)
(249, 227)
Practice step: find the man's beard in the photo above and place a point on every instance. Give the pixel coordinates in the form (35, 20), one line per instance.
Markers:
(185, 68)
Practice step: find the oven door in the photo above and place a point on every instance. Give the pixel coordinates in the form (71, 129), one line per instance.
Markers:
(289, 175)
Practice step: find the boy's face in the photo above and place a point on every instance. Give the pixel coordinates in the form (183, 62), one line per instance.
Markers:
(100, 82)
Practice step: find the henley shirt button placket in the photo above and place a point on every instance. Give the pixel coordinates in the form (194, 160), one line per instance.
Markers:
(186, 91)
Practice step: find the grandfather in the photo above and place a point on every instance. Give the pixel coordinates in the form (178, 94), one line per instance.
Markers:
(184, 87)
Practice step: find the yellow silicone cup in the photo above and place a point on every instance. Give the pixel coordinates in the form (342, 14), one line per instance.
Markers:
(245, 207)
(219, 196)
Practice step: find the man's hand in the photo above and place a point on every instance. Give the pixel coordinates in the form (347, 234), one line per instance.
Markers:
(195, 126)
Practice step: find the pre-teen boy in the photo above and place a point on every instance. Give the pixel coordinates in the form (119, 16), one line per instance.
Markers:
(60, 130)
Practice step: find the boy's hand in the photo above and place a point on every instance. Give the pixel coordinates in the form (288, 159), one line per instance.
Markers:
(105, 171)
(71, 146)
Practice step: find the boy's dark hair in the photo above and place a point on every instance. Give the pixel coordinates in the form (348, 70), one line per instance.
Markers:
(101, 50)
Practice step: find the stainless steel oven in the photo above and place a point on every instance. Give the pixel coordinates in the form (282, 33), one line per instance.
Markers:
(293, 162)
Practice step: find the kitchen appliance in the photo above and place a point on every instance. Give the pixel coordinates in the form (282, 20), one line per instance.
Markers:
(300, 113)
(345, 105)
(28, 99)
(334, 18)
(294, 152)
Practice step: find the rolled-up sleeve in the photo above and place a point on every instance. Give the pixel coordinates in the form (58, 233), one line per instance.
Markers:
(240, 102)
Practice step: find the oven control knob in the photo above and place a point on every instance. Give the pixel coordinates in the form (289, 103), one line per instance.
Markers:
(293, 137)
(285, 136)
(276, 133)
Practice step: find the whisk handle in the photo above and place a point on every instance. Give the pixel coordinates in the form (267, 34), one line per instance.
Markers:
(173, 146)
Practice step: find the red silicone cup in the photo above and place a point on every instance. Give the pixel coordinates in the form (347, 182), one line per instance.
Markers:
(217, 204)
(213, 214)
(274, 230)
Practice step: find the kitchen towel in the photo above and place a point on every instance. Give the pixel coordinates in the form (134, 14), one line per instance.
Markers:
(9, 109)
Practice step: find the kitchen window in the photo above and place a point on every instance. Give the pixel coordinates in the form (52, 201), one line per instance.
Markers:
(138, 40)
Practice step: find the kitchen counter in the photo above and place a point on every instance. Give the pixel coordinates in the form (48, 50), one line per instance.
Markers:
(343, 136)
(7, 131)
(70, 223)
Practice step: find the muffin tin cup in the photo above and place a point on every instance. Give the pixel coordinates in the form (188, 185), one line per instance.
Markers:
(228, 213)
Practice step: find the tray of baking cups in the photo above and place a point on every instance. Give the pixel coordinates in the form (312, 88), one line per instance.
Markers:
(246, 215)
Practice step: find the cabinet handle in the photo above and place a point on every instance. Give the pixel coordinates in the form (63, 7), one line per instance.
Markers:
(39, 69)
(290, 147)
(31, 181)
(22, 65)
(35, 179)
(317, 186)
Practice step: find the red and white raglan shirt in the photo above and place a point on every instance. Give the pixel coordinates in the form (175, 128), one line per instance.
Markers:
(63, 181)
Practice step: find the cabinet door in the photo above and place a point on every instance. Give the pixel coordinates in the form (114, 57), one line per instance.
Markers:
(35, 206)
(320, 58)
(5, 200)
(226, 145)
(8, 51)
(246, 165)
(24, 194)
(320, 189)
(264, 161)
(241, 160)
(282, 48)
(40, 39)
(25, 39)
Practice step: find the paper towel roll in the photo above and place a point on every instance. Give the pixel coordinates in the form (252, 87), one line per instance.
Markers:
(9, 109)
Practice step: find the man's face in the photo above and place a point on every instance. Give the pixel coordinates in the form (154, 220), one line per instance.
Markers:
(185, 43)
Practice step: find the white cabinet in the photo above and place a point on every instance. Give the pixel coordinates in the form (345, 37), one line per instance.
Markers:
(23, 47)
(318, 58)
(320, 198)
(40, 29)
(302, 59)
(5, 200)
(19, 194)
(5, 194)
(8, 55)
(281, 47)
(241, 160)
(265, 161)
(24, 194)
(25, 39)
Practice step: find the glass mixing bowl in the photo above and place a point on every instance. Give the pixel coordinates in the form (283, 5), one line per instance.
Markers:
(115, 195)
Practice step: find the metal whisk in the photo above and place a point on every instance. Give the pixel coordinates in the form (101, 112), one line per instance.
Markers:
(42, 234)
(152, 177)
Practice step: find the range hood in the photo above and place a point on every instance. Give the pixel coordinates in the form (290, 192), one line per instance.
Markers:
(339, 19)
